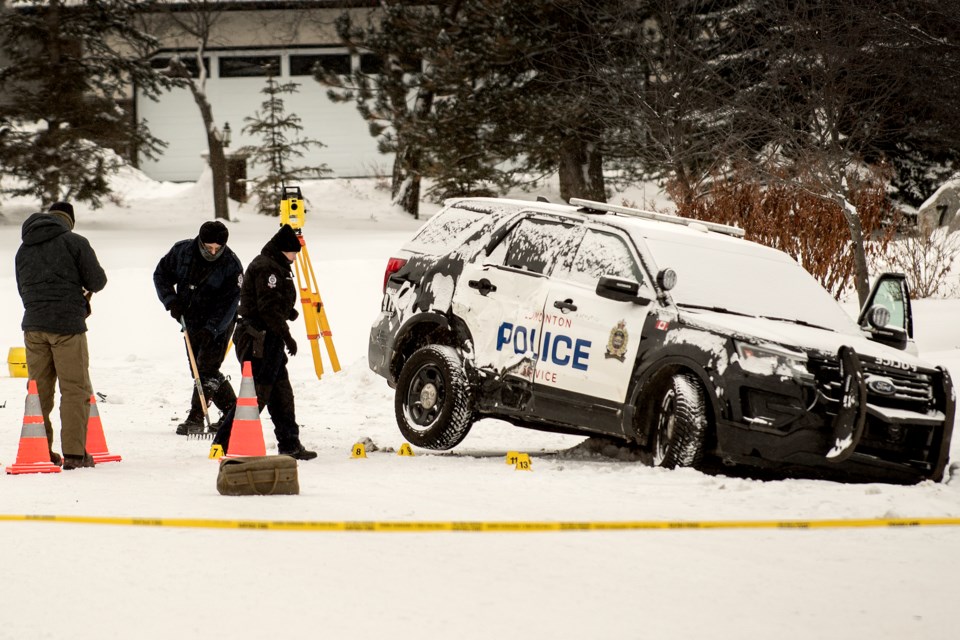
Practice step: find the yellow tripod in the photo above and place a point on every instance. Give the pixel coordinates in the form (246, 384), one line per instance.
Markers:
(293, 213)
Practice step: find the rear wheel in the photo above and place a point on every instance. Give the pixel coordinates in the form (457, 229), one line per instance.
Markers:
(680, 424)
(433, 402)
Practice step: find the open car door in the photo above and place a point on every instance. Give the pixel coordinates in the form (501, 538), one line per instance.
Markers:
(887, 316)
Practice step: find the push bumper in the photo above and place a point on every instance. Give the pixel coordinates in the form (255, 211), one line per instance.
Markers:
(846, 437)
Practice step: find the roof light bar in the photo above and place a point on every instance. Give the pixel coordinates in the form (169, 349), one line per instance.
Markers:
(660, 217)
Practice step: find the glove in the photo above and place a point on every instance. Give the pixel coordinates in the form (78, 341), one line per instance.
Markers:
(176, 311)
(294, 314)
(290, 344)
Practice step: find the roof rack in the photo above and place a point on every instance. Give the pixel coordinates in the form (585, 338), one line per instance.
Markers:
(660, 217)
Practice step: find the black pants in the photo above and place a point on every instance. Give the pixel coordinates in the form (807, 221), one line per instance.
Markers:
(209, 352)
(272, 383)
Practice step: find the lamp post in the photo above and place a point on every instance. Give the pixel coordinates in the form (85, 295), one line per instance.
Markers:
(226, 135)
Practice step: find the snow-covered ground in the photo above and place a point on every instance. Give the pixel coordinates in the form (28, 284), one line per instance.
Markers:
(120, 581)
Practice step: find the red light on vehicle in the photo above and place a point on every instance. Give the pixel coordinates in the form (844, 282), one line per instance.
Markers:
(393, 265)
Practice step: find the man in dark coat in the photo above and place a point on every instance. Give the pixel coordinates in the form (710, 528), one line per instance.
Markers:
(198, 282)
(57, 272)
(268, 301)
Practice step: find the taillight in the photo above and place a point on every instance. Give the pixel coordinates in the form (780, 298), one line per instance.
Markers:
(393, 265)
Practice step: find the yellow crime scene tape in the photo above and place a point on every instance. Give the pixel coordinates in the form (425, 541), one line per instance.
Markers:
(484, 527)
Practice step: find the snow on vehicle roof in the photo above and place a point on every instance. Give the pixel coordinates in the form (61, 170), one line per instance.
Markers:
(714, 268)
(622, 220)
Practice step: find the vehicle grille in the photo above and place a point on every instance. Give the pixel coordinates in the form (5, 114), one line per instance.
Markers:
(915, 445)
(913, 390)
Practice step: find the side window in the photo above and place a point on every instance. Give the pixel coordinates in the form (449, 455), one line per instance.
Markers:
(890, 295)
(304, 65)
(446, 231)
(249, 66)
(533, 245)
(371, 64)
(603, 254)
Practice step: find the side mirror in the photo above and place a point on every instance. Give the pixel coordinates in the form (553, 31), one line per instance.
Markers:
(878, 317)
(620, 290)
(667, 279)
(887, 313)
(896, 338)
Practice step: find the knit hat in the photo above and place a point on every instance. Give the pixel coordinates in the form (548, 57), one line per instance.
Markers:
(214, 232)
(286, 239)
(64, 207)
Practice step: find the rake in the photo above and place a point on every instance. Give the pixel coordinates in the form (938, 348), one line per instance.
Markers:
(207, 432)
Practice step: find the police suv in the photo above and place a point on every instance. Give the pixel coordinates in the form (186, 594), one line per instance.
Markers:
(676, 335)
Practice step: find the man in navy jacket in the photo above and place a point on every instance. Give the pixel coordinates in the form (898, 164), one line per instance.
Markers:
(198, 281)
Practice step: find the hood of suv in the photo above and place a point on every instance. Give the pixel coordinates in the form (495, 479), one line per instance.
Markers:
(793, 335)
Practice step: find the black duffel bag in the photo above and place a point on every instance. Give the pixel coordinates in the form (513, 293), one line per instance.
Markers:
(258, 476)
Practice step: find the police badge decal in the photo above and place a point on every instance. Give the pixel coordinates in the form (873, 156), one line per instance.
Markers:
(617, 344)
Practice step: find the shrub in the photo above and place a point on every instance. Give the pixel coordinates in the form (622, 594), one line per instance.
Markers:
(925, 254)
(787, 213)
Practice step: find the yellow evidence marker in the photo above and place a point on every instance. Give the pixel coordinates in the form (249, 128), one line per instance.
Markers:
(512, 457)
(216, 452)
(405, 450)
(523, 462)
(359, 451)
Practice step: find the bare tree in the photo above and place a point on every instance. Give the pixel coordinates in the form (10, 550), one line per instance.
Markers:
(926, 255)
(830, 88)
(197, 19)
(675, 91)
(781, 207)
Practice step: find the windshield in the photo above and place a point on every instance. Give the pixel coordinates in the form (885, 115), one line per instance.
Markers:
(744, 278)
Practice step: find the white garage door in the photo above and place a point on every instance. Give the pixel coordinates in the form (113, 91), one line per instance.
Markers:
(234, 90)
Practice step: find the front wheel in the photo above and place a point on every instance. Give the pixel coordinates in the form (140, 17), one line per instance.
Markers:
(433, 403)
(681, 424)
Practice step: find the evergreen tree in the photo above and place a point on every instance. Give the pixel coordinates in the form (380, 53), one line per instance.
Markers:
(505, 91)
(544, 109)
(389, 87)
(921, 47)
(63, 82)
(840, 97)
(280, 133)
(680, 76)
(198, 20)
(479, 95)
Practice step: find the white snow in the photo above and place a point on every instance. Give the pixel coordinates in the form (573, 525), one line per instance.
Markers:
(60, 580)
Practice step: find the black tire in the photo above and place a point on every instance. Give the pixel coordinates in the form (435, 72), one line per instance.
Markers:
(680, 424)
(433, 403)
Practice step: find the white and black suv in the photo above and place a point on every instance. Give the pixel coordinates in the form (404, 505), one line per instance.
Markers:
(653, 329)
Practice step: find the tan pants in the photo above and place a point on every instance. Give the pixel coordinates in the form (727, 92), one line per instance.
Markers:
(52, 357)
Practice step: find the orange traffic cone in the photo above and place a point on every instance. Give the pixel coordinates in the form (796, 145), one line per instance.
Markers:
(246, 435)
(96, 443)
(33, 456)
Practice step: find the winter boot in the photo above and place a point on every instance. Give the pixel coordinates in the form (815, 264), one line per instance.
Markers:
(299, 453)
(194, 421)
(78, 462)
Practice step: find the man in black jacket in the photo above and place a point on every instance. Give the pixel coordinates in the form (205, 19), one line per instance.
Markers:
(57, 272)
(268, 301)
(198, 282)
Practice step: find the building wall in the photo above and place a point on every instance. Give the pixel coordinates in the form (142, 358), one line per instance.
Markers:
(175, 118)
